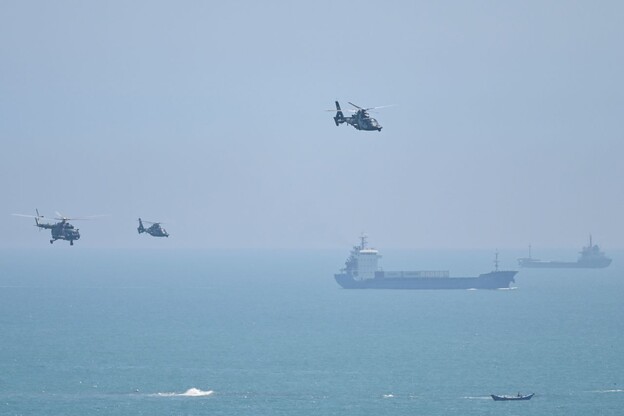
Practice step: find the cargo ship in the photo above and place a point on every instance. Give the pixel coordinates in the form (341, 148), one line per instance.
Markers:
(591, 257)
(361, 271)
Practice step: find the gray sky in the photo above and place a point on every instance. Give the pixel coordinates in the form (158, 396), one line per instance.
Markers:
(507, 129)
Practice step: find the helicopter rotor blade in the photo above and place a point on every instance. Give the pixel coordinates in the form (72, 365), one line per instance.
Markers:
(371, 108)
(36, 217)
(93, 217)
(87, 218)
(381, 106)
(28, 216)
(40, 217)
(60, 217)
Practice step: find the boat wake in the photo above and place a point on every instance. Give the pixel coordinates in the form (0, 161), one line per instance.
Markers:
(192, 392)
(609, 391)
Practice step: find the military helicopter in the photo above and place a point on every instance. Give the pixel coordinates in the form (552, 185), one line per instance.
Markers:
(155, 230)
(61, 230)
(361, 120)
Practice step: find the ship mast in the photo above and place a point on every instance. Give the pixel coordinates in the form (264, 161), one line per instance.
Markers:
(496, 261)
(363, 238)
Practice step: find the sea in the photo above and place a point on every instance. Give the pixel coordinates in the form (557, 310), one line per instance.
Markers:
(269, 332)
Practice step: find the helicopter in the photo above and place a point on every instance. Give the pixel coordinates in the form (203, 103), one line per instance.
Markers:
(155, 230)
(61, 230)
(361, 120)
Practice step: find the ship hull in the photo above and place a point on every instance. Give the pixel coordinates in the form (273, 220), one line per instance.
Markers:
(511, 398)
(565, 265)
(493, 280)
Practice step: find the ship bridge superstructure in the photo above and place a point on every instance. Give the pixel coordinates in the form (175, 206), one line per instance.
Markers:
(593, 255)
(363, 261)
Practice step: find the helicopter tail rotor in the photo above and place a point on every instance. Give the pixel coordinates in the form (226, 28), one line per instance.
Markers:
(36, 217)
(141, 229)
(340, 118)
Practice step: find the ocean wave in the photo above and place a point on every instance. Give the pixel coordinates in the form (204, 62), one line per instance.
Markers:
(609, 391)
(388, 396)
(192, 392)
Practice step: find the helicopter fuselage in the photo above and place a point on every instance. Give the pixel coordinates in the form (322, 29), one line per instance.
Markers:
(363, 121)
(61, 231)
(156, 231)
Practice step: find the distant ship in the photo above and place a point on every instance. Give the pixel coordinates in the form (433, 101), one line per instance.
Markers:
(507, 398)
(590, 258)
(361, 272)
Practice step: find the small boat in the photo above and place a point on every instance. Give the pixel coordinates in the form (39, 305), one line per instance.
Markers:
(518, 397)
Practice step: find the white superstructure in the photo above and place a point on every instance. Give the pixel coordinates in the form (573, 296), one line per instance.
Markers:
(366, 259)
(362, 264)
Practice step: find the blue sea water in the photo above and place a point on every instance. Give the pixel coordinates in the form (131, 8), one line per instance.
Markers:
(86, 332)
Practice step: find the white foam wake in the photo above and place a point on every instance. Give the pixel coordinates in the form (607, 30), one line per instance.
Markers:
(192, 392)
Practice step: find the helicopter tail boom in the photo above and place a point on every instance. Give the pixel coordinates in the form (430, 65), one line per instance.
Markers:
(340, 118)
(141, 229)
(40, 225)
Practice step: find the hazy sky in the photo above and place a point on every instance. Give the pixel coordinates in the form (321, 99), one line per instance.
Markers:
(507, 129)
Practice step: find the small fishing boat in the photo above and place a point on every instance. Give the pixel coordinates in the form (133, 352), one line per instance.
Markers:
(517, 397)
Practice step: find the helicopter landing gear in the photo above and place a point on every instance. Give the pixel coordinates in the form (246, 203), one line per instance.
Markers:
(51, 241)
(71, 242)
